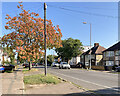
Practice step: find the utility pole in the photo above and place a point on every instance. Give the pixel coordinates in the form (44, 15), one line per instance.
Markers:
(30, 60)
(90, 44)
(3, 54)
(45, 7)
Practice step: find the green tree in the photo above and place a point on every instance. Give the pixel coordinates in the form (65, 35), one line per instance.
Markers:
(50, 58)
(10, 53)
(70, 48)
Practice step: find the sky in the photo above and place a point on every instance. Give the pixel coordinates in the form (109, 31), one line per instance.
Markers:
(103, 17)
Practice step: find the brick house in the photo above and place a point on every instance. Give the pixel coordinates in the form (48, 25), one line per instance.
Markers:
(111, 56)
(96, 55)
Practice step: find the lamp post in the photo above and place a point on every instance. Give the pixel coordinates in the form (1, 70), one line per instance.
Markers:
(90, 41)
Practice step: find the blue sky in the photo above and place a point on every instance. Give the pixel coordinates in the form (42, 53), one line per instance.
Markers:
(70, 15)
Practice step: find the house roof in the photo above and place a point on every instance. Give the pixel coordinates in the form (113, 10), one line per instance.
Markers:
(100, 49)
(95, 50)
(114, 47)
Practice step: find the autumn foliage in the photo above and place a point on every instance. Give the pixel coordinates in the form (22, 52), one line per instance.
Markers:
(27, 37)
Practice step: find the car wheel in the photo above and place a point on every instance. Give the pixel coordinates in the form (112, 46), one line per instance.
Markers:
(116, 70)
(3, 71)
(59, 67)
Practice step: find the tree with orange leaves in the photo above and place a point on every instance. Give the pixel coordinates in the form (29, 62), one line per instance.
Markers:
(28, 36)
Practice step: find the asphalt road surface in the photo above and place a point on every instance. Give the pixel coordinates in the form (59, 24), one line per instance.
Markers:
(97, 81)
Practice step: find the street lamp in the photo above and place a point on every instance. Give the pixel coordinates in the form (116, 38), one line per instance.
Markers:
(90, 42)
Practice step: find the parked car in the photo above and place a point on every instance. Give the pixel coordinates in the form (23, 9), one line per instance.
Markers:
(34, 64)
(26, 65)
(72, 65)
(55, 64)
(2, 69)
(9, 67)
(117, 69)
(64, 65)
(40, 63)
(80, 65)
(47, 64)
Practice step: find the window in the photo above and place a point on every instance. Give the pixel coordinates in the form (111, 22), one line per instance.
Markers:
(117, 52)
(116, 62)
(104, 54)
(109, 63)
(82, 56)
(86, 56)
(109, 53)
(116, 58)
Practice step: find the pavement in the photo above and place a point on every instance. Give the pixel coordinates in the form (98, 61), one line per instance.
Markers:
(61, 88)
(12, 83)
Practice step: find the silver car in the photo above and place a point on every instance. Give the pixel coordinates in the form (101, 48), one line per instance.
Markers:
(64, 65)
(55, 64)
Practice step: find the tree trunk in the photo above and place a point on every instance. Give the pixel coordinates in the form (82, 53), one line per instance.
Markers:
(29, 66)
(67, 60)
(3, 59)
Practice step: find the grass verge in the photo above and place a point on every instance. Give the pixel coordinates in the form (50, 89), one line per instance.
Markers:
(41, 79)
(11, 71)
(26, 70)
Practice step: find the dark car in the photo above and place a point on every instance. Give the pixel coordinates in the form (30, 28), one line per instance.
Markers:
(79, 65)
(47, 64)
(9, 67)
(40, 63)
(34, 64)
(117, 69)
(25, 65)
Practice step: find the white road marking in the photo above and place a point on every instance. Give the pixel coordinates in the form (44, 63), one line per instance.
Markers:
(87, 81)
(96, 71)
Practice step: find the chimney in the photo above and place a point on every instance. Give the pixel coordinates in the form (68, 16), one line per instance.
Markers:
(96, 44)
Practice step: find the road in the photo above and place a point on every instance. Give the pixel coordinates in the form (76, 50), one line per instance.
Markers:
(97, 81)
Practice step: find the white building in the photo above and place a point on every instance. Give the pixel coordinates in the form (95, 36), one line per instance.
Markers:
(5, 57)
(86, 48)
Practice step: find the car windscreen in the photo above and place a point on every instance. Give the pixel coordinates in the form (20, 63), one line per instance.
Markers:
(65, 63)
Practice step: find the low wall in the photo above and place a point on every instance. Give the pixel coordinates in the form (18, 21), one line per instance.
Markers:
(98, 67)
